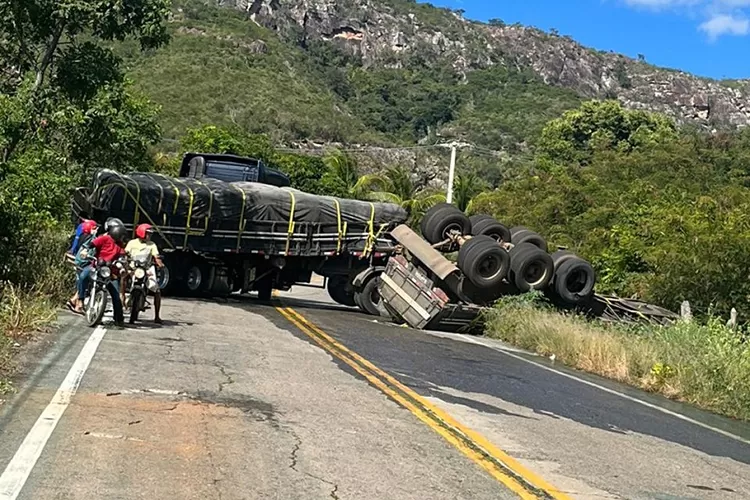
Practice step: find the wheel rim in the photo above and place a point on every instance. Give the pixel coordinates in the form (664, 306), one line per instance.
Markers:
(194, 278)
(535, 273)
(576, 281)
(489, 267)
(452, 227)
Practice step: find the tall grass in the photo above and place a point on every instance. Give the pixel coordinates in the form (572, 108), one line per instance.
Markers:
(30, 307)
(706, 364)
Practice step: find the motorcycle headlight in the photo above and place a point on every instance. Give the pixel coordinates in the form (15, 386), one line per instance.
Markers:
(104, 272)
(140, 273)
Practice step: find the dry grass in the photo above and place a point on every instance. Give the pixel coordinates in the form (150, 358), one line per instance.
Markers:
(707, 365)
(26, 310)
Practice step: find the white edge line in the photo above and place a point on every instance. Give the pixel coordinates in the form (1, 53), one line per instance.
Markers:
(18, 470)
(508, 352)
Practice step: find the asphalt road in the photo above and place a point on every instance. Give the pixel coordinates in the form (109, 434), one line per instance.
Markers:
(306, 399)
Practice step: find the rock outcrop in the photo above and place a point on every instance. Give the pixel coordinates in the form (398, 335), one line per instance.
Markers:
(389, 32)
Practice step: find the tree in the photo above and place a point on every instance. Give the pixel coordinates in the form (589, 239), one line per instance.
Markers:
(34, 31)
(467, 186)
(343, 179)
(400, 189)
(601, 125)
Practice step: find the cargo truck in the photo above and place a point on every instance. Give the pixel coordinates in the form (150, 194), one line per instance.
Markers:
(230, 224)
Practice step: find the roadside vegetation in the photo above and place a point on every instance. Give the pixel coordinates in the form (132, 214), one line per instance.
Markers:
(660, 211)
(703, 363)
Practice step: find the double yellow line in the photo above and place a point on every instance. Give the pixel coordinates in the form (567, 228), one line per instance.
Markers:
(497, 463)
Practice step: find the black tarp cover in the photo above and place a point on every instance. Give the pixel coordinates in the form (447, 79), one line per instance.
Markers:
(186, 198)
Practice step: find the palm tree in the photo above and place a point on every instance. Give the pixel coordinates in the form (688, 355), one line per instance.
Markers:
(344, 170)
(399, 189)
(466, 188)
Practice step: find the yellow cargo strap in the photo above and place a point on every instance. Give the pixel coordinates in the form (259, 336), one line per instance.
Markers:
(242, 217)
(338, 224)
(138, 206)
(189, 212)
(370, 230)
(290, 232)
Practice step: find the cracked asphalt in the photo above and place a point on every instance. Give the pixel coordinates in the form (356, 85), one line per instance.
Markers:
(221, 403)
(228, 400)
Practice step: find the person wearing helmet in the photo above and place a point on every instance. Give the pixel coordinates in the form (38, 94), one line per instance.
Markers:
(112, 222)
(142, 248)
(78, 253)
(107, 247)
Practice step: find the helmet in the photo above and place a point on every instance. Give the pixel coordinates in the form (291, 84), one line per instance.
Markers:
(118, 233)
(89, 226)
(143, 230)
(111, 222)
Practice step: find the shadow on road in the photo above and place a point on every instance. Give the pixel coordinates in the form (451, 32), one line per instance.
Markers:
(431, 365)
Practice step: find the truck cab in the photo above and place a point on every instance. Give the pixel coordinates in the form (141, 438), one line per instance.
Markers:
(230, 168)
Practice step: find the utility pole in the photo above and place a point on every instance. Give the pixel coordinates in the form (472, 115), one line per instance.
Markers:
(451, 173)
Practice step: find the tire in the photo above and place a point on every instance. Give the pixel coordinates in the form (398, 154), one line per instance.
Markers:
(167, 275)
(444, 220)
(196, 276)
(136, 298)
(477, 217)
(369, 297)
(428, 214)
(95, 313)
(561, 256)
(530, 267)
(483, 262)
(574, 281)
(340, 291)
(492, 228)
(520, 235)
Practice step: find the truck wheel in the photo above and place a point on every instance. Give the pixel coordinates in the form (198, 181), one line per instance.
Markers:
(443, 221)
(477, 217)
(340, 291)
(492, 228)
(574, 281)
(530, 267)
(196, 276)
(428, 215)
(369, 297)
(520, 235)
(561, 256)
(484, 262)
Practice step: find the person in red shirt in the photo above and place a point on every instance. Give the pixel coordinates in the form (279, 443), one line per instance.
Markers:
(108, 247)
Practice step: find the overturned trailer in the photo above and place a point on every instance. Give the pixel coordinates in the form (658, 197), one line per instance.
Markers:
(220, 237)
(424, 289)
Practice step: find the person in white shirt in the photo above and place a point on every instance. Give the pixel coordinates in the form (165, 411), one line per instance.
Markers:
(142, 248)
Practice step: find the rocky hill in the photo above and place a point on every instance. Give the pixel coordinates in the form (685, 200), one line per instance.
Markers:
(387, 32)
(396, 72)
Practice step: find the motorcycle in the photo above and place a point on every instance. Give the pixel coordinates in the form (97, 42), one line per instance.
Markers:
(95, 302)
(138, 288)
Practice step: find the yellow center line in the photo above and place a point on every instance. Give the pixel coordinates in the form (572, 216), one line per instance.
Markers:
(508, 471)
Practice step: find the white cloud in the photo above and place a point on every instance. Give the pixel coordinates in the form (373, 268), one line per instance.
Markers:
(662, 4)
(725, 24)
(719, 17)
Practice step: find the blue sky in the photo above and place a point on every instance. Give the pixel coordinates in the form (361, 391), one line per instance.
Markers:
(706, 37)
